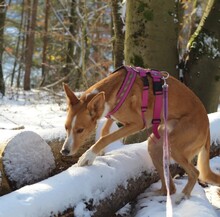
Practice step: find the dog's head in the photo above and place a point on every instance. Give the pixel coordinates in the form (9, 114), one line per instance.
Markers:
(81, 120)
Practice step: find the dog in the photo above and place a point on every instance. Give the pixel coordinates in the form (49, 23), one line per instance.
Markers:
(188, 126)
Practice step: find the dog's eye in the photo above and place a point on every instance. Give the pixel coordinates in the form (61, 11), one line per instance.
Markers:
(80, 130)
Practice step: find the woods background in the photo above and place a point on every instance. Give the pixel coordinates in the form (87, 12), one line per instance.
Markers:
(43, 43)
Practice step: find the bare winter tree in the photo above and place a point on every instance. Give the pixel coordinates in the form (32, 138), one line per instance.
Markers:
(2, 24)
(32, 14)
(19, 41)
(45, 41)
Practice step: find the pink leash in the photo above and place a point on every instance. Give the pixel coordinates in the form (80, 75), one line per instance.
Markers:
(166, 149)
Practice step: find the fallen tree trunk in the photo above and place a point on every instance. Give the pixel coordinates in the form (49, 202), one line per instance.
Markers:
(24, 143)
(24, 159)
(123, 195)
(98, 190)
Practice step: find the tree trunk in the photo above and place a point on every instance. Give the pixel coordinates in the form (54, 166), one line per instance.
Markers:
(72, 56)
(151, 35)
(118, 37)
(18, 45)
(45, 41)
(84, 44)
(204, 70)
(2, 24)
(30, 44)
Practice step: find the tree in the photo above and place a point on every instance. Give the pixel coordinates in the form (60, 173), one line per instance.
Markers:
(2, 24)
(32, 14)
(204, 61)
(17, 48)
(118, 34)
(151, 34)
(45, 41)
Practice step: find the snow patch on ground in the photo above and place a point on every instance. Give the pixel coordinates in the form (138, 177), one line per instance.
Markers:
(214, 120)
(155, 206)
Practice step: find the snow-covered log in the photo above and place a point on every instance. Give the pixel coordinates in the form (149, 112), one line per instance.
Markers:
(26, 144)
(24, 159)
(81, 190)
(62, 162)
(97, 190)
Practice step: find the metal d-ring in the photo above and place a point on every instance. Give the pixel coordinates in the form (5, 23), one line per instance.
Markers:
(167, 75)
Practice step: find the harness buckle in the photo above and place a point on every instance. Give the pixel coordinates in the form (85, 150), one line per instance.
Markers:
(157, 87)
(143, 108)
(156, 121)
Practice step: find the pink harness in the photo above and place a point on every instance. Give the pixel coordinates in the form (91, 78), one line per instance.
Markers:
(157, 89)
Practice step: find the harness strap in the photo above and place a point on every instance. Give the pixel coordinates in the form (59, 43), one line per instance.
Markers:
(157, 90)
(124, 91)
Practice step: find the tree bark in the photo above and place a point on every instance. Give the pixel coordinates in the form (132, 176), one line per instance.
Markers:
(118, 37)
(151, 35)
(30, 44)
(2, 25)
(204, 70)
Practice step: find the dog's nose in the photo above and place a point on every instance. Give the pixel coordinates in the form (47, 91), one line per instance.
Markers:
(65, 152)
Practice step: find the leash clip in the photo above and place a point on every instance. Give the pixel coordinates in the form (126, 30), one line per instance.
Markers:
(166, 75)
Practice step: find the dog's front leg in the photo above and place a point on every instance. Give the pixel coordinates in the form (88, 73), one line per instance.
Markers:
(105, 131)
(89, 156)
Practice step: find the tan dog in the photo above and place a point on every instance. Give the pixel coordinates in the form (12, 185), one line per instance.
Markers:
(187, 123)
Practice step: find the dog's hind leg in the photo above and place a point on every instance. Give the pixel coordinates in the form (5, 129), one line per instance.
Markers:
(186, 139)
(155, 148)
(189, 168)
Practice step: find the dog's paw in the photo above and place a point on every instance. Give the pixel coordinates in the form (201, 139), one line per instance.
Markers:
(178, 198)
(87, 158)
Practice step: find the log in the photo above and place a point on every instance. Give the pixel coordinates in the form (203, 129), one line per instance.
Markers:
(63, 162)
(24, 159)
(54, 142)
(80, 187)
(123, 195)
(98, 190)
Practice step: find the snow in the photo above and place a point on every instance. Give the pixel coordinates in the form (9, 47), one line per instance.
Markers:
(154, 206)
(214, 119)
(73, 186)
(76, 185)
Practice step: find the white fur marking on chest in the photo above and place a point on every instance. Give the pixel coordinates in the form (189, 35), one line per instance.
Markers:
(113, 118)
(106, 110)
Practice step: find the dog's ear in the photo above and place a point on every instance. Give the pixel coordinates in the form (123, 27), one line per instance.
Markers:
(96, 105)
(71, 97)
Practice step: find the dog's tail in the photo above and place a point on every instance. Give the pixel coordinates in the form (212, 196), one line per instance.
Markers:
(206, 174)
